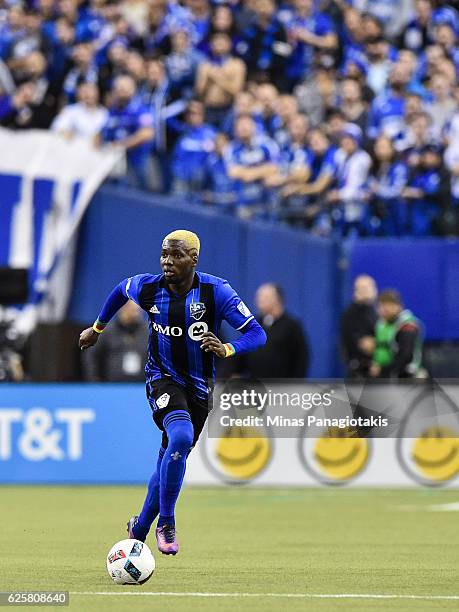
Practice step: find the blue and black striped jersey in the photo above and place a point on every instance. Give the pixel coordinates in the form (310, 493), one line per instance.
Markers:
(178, 322)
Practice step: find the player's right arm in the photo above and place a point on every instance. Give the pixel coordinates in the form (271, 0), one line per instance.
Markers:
(127, 289)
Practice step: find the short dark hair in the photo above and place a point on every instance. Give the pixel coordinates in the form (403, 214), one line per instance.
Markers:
(375, 40)
(390, 296)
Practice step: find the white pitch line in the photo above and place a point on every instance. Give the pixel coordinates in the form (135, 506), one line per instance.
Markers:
(281, 595)
(452, 507)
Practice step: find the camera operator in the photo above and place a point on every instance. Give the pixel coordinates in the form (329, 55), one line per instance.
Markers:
(11, 344)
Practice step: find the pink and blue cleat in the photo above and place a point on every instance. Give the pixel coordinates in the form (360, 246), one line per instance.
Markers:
(167, 540)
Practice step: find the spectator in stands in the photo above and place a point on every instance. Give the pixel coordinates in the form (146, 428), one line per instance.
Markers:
(218, 185)
(348, 200)
(62, 36)
(29, 39)
(130, 126)
(392, 14)
(251, 160)
(322, 169)
(11, 29)
(135, 12)
(182, 65)
(430, 60)
(292, 169)
(418, 136)
(136, 67)
(121, 353)
(43, 106)
(200, 18)
(286, 352)
(191, 151)
(325, 59)
(15, 108)
(351, 103)
(358, 325)
(399, 340)
(380, 57)
(446, 37)
(267, 98)
(111, 64)
(164, 18)
(387, 109)
(335, 125)
(389, 176)
(427, 191)
(403, 140)
(317, 93)
(84, 70)
(443, 105)
(155, 95)
(222, 22)
(286, 109)
(352, 36)
(244, 104)
(417, 34)
(219, 79)
(85, 119)
(410, 62)
(309, 31)
(263, 45)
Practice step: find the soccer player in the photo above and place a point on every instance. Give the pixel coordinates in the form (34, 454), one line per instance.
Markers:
(185, 309)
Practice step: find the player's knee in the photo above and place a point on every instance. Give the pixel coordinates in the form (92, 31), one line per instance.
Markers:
(181, 436)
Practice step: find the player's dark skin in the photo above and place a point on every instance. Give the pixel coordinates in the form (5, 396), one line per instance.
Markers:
(178, 264)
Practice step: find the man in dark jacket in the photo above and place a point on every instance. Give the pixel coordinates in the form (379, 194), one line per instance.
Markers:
(358, 323)
(286, 352)
(121, 352)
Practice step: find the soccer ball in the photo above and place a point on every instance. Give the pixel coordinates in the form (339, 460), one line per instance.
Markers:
(130, 562)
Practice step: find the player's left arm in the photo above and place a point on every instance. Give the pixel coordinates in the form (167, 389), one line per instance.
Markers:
(235, 312)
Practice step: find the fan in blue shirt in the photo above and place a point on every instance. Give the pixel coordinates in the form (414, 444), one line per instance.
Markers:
(250, 161)
(191, 151)
(129, 125)
(308, 31)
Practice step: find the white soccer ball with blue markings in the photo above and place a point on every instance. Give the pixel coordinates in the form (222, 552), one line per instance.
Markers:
(130, 562)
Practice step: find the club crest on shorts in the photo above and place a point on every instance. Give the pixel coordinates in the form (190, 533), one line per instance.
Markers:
(197, 310)
(163, 400)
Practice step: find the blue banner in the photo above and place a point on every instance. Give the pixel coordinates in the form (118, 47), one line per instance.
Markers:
(76, 433)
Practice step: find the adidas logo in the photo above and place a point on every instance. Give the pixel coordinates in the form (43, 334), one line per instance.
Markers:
(154, 310)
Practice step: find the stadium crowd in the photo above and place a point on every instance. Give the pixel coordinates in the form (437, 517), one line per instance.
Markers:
(339, 116)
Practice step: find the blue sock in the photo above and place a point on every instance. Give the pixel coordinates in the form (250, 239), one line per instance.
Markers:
(179, 429)
(150, 508)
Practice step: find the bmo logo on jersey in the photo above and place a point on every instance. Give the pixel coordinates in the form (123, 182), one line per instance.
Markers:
(197, 330)
(166, 330)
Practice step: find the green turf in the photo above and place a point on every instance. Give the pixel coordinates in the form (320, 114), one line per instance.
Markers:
(239, 540)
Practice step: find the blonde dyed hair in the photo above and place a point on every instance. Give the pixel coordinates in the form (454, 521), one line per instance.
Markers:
(189, 238)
